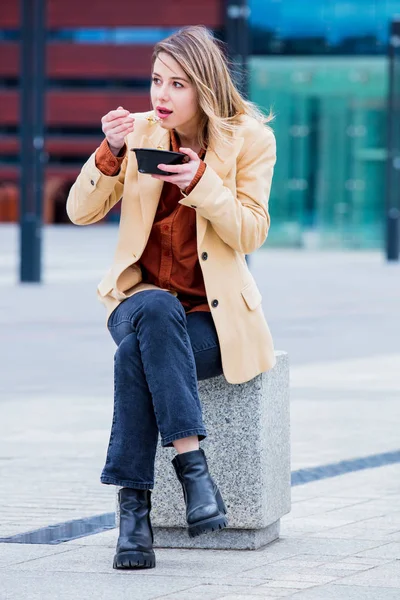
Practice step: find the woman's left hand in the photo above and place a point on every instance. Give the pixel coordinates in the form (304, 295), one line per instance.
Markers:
(183, 174)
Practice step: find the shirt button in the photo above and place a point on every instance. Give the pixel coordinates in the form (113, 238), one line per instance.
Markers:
(204, 256)
(214, 303)
(92, 182)
(193, 206)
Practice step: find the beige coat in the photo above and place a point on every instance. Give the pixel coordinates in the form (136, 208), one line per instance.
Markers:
(231, 204)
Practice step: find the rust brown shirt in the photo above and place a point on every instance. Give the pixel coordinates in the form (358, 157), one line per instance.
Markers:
(170, 258)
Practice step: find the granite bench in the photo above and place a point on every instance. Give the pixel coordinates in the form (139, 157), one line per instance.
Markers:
(248, 453)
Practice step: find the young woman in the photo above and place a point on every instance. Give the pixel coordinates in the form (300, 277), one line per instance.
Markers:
(181, 303)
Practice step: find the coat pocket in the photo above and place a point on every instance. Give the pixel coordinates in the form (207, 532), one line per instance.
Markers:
(105, 286)
(251, 295)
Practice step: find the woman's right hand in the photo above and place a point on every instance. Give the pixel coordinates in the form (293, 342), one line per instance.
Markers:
(116, 124)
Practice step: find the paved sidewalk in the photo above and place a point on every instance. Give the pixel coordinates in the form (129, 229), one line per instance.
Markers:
(337, 316)
(341, 542)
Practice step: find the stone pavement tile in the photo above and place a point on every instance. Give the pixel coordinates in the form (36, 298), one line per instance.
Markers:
(304, 560)
(315, 524)
(303, 547)
(11, 554)
(265, 594)
(352, 564)
(294, 575)
(244, 582)
(369, 484)
(238, 597)
(355, 492)
(360, 531)
(355, 375)
(217, 592)
(287, 547)
(335, 573)
(389, 520)
(7, 529)
(389, 551)
(290, 585)
(205, 564)
(347, 592)
(316, 568)
(387, 575)
(266, 555)
(320, 570)
(105, 538)
(323, 504)
(279, 592)
(119, 585)
(390, 517)
(364, 510)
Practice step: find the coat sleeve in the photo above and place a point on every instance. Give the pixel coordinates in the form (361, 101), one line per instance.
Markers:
(94, 194)
(241, 220)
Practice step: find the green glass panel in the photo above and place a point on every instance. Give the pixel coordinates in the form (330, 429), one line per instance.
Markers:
(330, 126)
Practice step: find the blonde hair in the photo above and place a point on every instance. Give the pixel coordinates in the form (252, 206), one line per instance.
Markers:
(221, 104)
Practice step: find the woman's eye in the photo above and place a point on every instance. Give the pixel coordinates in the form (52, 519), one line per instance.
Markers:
(156, 80)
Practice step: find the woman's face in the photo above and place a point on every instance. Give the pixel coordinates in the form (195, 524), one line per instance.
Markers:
(172, 90)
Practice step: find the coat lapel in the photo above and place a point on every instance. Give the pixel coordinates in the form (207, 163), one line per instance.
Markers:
(223, 156)
(220, 159)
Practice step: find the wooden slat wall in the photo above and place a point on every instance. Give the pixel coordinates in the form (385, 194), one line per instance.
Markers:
(83, 61)
(75, 108)
(58, 145)
(9, 59)
(11, 172)
(120, 13)
(10, 15)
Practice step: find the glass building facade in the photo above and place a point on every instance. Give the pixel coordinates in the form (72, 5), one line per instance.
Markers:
(321, 66)
(321, 27)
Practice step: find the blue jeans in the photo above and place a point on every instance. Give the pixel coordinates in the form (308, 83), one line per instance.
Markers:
(161, 354)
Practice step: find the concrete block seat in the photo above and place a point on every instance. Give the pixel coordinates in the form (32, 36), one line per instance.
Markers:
(248, 453)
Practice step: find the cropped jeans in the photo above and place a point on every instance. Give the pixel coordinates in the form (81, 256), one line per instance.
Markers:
(161, 354)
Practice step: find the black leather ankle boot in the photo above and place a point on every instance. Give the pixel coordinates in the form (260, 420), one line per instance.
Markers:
(205, 509)
(135, 542)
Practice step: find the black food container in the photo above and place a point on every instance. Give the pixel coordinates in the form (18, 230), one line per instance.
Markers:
(149, 158)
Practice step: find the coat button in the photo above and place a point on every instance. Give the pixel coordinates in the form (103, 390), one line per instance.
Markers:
(204, 256)
(92, 182)
(214, 303)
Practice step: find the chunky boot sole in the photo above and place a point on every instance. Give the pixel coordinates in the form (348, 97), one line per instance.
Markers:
(134, 560)
(207, 526)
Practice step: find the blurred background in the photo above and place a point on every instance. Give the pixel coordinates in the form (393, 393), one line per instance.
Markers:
(321, 65)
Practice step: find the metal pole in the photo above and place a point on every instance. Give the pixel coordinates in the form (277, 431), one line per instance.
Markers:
(237, 38)
(393, 148)
(33, 36)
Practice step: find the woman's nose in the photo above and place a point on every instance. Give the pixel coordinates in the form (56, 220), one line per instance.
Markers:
(163, 95)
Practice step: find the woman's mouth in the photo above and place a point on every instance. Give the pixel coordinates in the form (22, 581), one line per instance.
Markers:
(163, 113)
